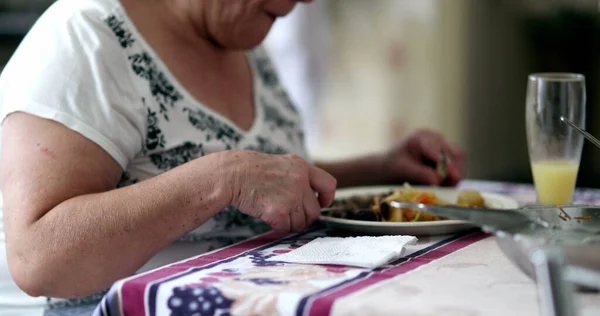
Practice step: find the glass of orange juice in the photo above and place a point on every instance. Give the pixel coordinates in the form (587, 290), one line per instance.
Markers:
(554, 147)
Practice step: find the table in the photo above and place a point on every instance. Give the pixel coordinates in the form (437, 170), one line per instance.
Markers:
(463, 274)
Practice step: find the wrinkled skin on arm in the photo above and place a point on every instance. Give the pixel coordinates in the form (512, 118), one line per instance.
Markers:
(70, 232)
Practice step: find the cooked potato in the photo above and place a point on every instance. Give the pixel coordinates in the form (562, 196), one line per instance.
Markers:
(470, 198)
(395, 215)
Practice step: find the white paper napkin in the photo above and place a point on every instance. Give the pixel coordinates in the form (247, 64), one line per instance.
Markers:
(366, 252)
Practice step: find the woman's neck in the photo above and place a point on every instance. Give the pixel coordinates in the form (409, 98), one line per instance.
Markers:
(180, 44)
(180, 22)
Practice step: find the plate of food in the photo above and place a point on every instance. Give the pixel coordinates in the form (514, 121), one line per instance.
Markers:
(366, 210)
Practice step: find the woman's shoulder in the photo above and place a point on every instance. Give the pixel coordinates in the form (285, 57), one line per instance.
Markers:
(68, 35)
(77, 11)
(71, 68)
(72, 40)
(74, 24)
(69, 28)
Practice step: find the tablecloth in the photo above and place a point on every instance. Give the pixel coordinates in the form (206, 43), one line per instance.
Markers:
(462, 274)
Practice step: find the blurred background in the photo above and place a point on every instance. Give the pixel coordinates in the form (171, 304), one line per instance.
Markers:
(367, 73)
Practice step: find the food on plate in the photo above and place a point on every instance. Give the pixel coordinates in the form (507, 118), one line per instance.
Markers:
(377, 208)
(470, 198)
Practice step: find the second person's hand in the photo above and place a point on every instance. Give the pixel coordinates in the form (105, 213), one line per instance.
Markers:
(415, 159)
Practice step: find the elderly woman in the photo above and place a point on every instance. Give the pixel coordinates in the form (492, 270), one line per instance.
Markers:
(140, 132)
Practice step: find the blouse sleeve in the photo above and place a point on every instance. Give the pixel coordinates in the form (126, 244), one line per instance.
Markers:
(71, 69)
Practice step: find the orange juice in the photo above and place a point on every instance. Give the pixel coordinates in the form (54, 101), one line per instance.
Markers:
(555, 180)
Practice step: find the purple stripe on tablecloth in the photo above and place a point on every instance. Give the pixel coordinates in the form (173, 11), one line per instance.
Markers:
(152, 287)
(133, 289)
(306, 302)
(322, 305)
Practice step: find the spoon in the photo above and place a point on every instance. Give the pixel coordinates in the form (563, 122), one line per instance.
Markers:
(509, 220)
(492, 219)
(585, 134)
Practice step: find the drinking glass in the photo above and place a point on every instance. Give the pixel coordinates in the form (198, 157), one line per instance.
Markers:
(554, 147)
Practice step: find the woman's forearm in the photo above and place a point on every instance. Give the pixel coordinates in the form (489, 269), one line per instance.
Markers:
(356, 172)
(85, 243)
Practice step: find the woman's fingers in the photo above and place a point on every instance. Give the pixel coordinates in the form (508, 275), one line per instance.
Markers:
(430, 145)
(453, 177)
(306, 213)
(324, 184)
(285, 191)
(421, 173)
(312, 207)
(456, 164)
(297, 218)
(279, 219)
(426, 145)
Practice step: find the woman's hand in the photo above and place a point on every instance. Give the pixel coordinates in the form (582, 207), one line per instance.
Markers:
(284, 191)
(416, 158)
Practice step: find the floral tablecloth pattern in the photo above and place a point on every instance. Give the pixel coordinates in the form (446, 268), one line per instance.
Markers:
(246, 278)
